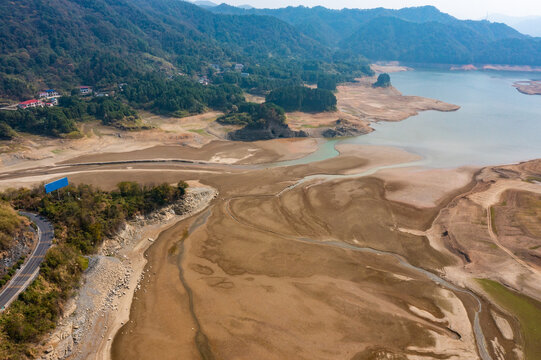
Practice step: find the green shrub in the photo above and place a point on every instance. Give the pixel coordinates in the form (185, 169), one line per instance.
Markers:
(83, 217)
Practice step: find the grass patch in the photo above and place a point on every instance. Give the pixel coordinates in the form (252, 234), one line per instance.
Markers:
(493, 220)
(199, 131)
(309, 126)
(535, 247)
(11, 271)
(83, 262)
(10, 224)
(97, 132)
(533, 179)
(524, 308)
(76, 134)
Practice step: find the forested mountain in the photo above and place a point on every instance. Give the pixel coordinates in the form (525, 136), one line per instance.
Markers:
(453, 43)
(418, 34)
(331, 26)
(64, 43)
(60, 42)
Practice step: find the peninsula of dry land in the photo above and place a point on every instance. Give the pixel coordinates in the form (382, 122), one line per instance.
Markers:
(528, 87)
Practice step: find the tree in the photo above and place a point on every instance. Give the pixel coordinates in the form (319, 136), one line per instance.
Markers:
(326, 82)
(301, 98)
(384, 80)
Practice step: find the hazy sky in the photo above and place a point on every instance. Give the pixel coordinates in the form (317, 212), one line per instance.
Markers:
(464, 9)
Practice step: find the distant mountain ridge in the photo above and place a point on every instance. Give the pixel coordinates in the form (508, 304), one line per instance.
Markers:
(417, 34)
(529, 25)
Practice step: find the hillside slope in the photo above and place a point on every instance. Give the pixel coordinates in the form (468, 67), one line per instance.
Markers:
(59, 42)
(432, 42)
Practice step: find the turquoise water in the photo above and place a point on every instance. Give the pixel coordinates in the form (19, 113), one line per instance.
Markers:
(495, 125)
(326, 150)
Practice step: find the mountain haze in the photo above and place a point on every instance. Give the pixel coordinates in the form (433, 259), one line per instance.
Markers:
(530, 25)
(416, 34)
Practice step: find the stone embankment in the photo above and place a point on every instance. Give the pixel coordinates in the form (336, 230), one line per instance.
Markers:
(110, 281)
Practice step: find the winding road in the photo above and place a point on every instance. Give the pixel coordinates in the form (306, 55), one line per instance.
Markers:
(30, 268)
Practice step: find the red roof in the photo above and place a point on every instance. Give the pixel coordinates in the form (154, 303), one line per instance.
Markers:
(28, 102)
(84, 87)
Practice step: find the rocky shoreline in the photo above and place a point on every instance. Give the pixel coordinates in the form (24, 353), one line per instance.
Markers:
(102, 303)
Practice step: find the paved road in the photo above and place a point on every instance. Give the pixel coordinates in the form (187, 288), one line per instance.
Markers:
(26, 273)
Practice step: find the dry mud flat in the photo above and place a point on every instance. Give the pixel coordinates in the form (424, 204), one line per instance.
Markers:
(282, 265)
(384, 104)
(250, 283)
(284, 268)
(359, 104)
(31, 150)
(276, 274)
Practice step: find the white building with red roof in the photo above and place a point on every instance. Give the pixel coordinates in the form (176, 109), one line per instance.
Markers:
(30, 104)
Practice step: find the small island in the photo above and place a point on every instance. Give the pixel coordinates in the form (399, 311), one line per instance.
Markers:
(384, 81)
(529, 87)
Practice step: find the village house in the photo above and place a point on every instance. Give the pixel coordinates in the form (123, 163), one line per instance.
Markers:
(49, 94)
(51, 102)
(30, 104)
(85, 90)
(239, 67)
(204, 80)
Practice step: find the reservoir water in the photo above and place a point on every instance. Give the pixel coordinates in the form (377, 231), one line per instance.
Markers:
(495, 125)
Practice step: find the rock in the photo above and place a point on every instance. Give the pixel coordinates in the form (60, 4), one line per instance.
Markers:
(266, 131)
(343, 128)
